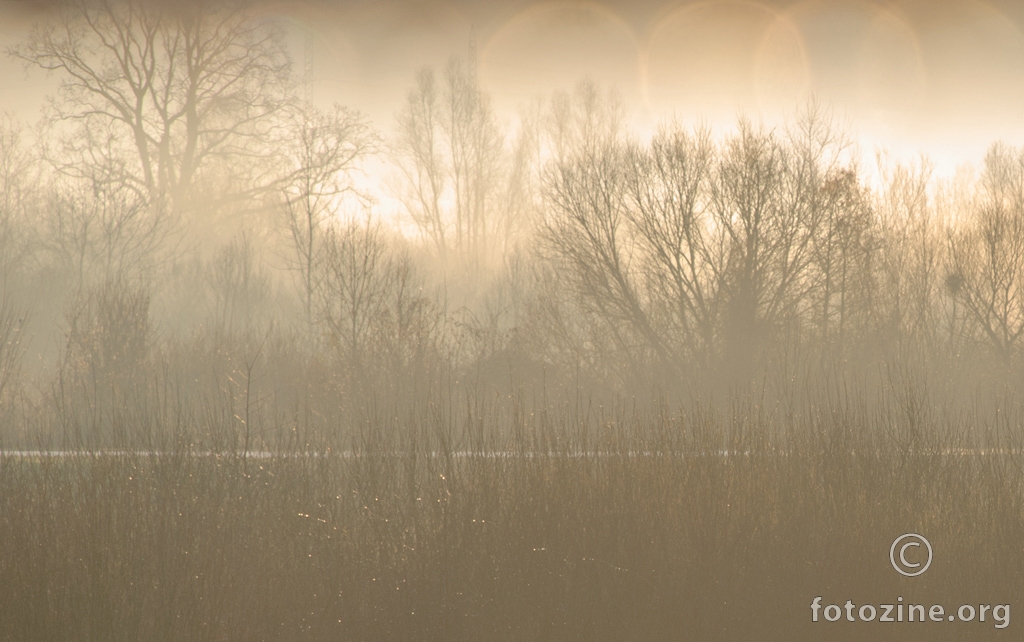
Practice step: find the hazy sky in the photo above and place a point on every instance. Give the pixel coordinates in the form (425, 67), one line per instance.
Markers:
(945, 78)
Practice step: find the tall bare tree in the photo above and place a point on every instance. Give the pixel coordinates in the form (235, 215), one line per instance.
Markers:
(370, 305)
(100, 232)
(667, 188)
(766, 239)
(832, 211)
(352, 295)
(323, 150)
(843, 249)
(909, 257)
(454, 170)
(168, 90)
(685, 248)
(987, 254)
(18, 196)
(587, 227)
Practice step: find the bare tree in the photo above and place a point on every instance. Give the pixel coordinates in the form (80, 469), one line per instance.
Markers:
(587, 227)
(167, 91)
(522, 197)
(352, 292)
(767, 239)
(831, 212)
(909, 257)
(687, 249)
(987, 255)
(843, 249)
(18, 197)
(583, 122)
(667, 188)
(587, 230)
(99, 232)
(772, 196)
(424, 172)
(323, 151)
(371, 304)
(453, 163)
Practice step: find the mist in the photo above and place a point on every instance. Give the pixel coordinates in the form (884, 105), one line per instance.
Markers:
(517, 320)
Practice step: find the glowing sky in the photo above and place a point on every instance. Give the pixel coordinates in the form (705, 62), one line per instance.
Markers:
(943, 78)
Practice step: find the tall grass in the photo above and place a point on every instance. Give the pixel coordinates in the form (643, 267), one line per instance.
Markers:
(688, 523)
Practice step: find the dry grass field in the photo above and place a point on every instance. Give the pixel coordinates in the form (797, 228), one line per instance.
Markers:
(699, 525)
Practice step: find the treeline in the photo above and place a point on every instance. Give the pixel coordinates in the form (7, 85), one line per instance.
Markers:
(772, 246)
(184, 240)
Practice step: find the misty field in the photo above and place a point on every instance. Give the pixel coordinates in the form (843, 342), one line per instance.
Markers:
(272, 369)
(640, 526)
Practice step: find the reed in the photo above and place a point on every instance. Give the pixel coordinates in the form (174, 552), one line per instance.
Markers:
(643, 524)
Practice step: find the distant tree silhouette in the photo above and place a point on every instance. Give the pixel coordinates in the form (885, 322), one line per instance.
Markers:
(321, 152)
(987, 254)
(458, 181)
(151, 95)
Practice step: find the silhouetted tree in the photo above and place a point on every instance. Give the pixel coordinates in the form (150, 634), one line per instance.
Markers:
(371, 306)
(755, 204)
(453, 162)
(151, 94)
(667, 190)
(100, 231)
(19, 193)
(323, 150)
(909, 260)
(686, 249)
(987, 253)
(844, 246)
(586, 228)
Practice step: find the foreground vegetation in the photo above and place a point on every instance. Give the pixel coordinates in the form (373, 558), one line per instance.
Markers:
(696, 524)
